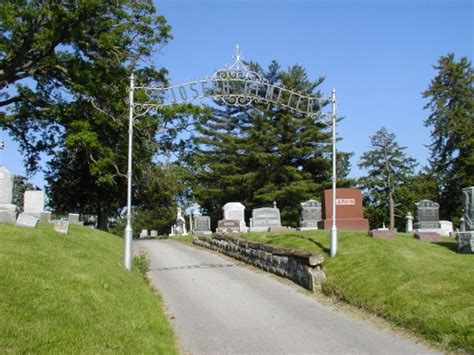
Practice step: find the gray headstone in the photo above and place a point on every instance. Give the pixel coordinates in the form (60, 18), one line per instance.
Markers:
(228, 225)
(26, 220)
(153, 233)
(311, 214)
(61, 226)
(6, 186)
(264, 218)
(73, 218)
(202, 224)
(427, 214)
(33, 202)
(468, 204)
(144, 233)
(8, 214)
(45, 216)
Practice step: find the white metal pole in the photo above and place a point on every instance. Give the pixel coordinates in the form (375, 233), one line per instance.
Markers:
(128, 229)
(333, 227)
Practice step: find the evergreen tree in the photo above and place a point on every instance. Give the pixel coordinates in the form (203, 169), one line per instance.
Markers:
(451, 103)
(259, 154)
(388, 172)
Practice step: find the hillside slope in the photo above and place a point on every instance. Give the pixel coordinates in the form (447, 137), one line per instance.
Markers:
(69, 293)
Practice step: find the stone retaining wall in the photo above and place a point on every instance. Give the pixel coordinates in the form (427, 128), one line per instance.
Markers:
(304, 268)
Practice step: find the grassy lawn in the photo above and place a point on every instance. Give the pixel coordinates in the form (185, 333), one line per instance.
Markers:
(70, 294)
(426, 288)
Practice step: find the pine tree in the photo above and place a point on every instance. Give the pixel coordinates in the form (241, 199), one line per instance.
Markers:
(388, 172)
(451, 95)
(260, 154)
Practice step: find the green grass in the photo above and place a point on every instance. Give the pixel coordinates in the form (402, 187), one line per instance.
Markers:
(70, 294)
(423, 287)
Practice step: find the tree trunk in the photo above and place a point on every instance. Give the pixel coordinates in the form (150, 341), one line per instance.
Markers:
(102, 219)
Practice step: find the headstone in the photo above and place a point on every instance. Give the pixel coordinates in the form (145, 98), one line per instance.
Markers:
(202, 224)
(61, 226)
(235, 211)
(409, 222)
(446, 227)
(8, 214)
(349, 212)
(73, 218)
(26, 220)
(179, 227)
(7, 210)
(264, 218)
(228, 225)
(144, 233)
(153, 233)
(33, 202)
(6, 186)
(431, 237)
(45, 216)
(311, 215)
(427, 215)
(278, 229)
(466, 238)
(382, 233)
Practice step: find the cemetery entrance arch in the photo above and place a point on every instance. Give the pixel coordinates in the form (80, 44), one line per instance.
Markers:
(234, 85)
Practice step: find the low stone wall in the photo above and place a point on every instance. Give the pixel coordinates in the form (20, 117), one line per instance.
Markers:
(304, 268)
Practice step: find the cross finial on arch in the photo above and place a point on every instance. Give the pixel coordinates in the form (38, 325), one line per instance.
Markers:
(238, 54)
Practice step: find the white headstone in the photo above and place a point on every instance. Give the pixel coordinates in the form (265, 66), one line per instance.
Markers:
(26, 220)
(235, 211)
(45, 216)
(61, 226)
(6, 186)
(34, 202)
(8, 214)
(73, 218)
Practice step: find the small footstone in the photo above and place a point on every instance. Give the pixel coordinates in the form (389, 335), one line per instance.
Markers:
(428, 237)
(382, 234)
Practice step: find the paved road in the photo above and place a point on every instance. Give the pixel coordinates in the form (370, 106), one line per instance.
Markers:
(218, 307)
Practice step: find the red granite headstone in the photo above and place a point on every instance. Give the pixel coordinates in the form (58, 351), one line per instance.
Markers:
(349, 212)
(228, 225)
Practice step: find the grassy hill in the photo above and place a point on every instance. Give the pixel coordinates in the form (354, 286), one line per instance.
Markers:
(70, 294)
(426, 288)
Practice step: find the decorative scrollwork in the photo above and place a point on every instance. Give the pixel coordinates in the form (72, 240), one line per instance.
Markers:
(235, 85)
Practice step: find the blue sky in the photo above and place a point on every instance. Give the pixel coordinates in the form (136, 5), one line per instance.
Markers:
(378, 55)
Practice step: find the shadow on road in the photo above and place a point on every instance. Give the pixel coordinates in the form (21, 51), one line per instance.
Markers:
(199, 266)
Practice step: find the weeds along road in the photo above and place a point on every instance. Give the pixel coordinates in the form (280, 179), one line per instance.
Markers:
(219, 307)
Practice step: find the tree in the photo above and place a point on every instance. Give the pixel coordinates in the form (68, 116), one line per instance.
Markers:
(388, 171)
(451, 103)
(258, 154)
(77, 58)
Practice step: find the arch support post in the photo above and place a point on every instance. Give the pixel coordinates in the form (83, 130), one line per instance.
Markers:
(333, 233)
(128, 234)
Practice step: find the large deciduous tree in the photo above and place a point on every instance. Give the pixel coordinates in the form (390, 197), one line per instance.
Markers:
(388, 171)
(64, 69)
(451, 119)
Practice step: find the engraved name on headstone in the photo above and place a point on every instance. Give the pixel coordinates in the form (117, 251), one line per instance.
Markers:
(6, 186)
(26, 220)
(427, 214)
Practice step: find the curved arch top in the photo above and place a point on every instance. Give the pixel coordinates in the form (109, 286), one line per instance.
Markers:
(234, 85)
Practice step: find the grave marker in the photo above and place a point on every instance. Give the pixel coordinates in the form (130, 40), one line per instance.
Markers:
(61, 226)
(26, 220)
(33, 203)
(310, 215)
